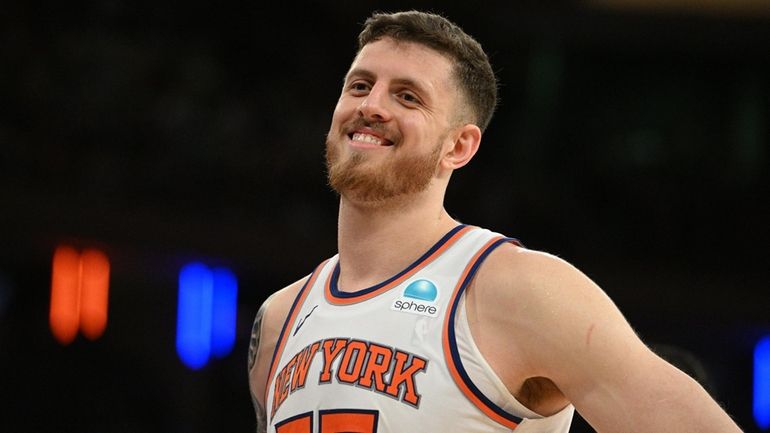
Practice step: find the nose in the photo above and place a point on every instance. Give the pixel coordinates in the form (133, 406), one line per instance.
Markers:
(374, 106)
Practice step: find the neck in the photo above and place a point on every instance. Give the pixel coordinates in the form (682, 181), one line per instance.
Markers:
(376, 242)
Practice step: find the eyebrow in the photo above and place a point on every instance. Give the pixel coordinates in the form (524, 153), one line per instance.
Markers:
(360, 73)
(369, 75)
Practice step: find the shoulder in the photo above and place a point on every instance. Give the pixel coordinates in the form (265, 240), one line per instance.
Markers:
(541, 305)
(270, 318)
(537, 316)
(512, 270)
(274, 310)
(540, 286)
(265, 332)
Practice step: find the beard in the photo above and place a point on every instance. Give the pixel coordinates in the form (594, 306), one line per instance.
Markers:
(395, 176)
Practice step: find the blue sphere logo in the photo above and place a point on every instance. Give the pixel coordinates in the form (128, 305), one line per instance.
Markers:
(421, 289)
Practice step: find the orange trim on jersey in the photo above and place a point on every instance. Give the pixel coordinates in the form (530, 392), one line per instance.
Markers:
(288, 325)
(461, 384)
(396, 280)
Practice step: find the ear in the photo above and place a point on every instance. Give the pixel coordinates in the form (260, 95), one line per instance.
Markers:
(465, 143)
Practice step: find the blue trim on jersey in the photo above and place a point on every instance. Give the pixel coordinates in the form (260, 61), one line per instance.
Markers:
(308, 415)
(453, 340)
(336, 273)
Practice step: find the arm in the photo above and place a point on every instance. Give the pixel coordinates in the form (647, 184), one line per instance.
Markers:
(254, 348)
(555, 323)
(264, 336)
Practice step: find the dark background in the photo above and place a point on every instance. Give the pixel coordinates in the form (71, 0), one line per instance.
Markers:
(632, 140)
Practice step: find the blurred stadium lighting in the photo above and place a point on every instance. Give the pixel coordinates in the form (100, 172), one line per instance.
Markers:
(94, 293)
(224, 307)
(762, 383)
(206, 314)
(79, 294)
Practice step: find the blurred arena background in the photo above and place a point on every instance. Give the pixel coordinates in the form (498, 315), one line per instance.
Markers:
(632, 139)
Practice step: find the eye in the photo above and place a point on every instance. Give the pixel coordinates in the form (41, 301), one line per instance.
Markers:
(409, 97)
(359, 87)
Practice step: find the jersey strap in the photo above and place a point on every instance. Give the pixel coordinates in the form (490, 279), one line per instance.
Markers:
(451, 353)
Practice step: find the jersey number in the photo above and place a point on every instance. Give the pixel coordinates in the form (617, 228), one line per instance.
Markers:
(332, 421)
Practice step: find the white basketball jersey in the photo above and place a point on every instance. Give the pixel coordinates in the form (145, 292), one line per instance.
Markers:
(397, 357)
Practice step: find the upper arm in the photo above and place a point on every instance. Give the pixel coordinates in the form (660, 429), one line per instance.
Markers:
(265, 332)
(568, 330)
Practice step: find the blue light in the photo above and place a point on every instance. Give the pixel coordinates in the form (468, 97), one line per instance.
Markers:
(762, 383)
(193, 330)
(224, 312)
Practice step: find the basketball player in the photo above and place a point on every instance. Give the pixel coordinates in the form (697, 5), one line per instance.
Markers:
(423, 324)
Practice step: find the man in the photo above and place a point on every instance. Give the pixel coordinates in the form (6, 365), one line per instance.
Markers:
(423, 324)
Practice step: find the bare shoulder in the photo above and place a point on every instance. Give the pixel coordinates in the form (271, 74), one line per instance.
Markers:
(536, 316)
(270, 317)
(526, 308)
(267, 327)
(532, 272)
(534, 284)
(543, 301)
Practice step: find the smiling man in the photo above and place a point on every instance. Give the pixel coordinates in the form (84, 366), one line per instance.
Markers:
(421, 323)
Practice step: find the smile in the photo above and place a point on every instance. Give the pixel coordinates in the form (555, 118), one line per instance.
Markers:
(368, 139)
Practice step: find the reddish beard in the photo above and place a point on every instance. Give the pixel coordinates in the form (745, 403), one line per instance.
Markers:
(395, 176)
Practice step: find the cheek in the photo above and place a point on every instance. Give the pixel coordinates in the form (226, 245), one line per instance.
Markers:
(418, 130)
(411, 126)
(335, 117)
(343, 110)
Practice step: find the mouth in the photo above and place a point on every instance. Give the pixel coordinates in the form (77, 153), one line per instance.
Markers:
(368, 139)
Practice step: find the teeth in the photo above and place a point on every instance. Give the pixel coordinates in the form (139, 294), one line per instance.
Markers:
(366, 138)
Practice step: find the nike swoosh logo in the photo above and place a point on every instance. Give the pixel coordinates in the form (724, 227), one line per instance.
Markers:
(303, 321)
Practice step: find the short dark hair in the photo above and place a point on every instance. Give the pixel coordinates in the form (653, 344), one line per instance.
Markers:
(471, 65)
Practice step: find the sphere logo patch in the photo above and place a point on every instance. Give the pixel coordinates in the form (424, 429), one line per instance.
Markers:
(418, 298)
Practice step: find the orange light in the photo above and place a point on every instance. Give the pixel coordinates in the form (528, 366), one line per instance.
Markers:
(65, 296)
(79, 294)
(94, 293)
